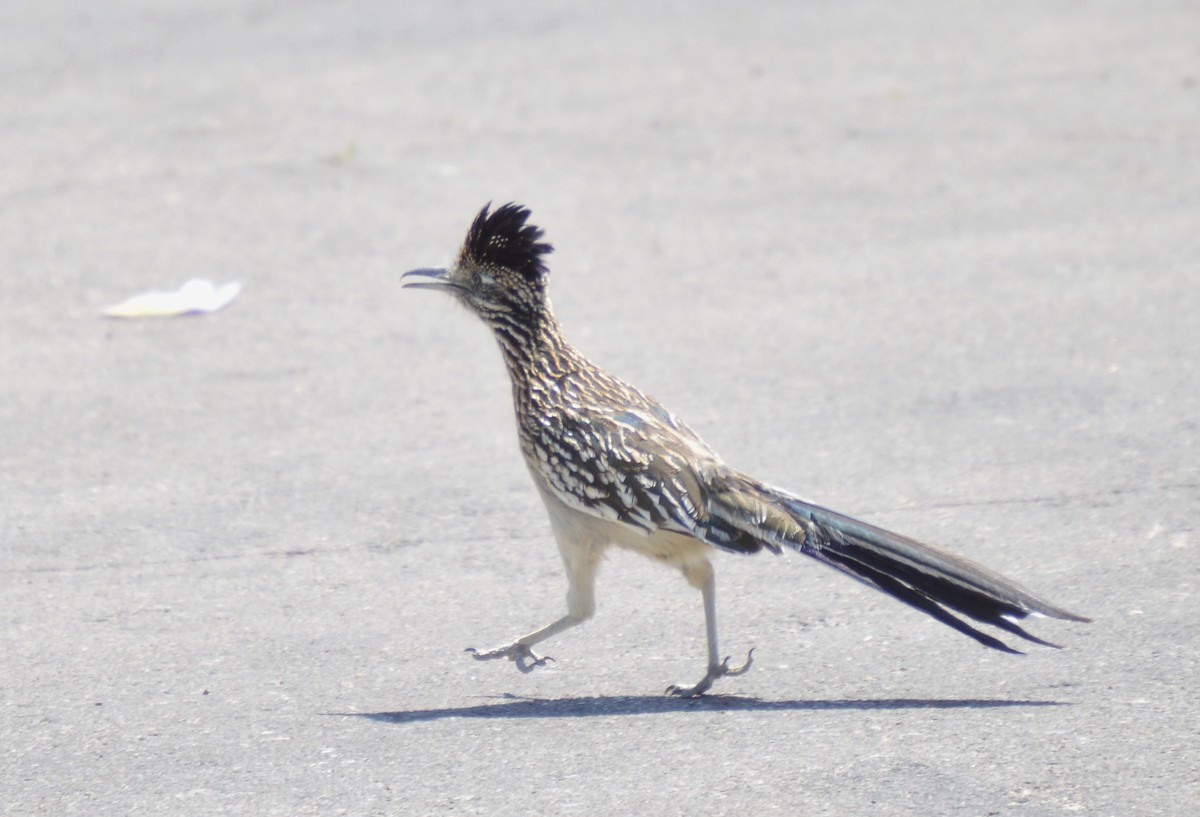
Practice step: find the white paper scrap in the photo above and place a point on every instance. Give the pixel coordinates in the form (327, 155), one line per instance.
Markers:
(193, 297)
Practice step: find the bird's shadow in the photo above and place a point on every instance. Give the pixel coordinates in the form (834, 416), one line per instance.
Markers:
(511, 706)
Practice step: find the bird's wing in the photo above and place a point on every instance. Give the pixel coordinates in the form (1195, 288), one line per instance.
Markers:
(613, 466)
(644, 468)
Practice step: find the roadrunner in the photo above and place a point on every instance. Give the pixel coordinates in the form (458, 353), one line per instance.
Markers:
(614, 467)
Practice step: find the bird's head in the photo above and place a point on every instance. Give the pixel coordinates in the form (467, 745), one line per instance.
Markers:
(499, 274)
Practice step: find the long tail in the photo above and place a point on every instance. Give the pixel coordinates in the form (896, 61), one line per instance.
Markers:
(924, 577)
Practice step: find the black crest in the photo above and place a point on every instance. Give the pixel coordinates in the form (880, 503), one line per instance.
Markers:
(505, 239)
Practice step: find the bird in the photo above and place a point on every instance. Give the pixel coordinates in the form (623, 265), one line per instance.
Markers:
(615, 468)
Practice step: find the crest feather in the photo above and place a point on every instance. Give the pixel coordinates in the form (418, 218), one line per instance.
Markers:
(505, 239)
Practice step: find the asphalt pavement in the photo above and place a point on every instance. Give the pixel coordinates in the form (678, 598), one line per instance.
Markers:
(934, 264)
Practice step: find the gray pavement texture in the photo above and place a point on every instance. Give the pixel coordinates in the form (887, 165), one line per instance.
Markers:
(936, 264)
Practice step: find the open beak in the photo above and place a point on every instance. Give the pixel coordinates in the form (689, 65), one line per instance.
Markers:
(429, 278)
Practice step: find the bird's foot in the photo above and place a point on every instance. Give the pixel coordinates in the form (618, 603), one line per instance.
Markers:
(516, 652)
(714, 672)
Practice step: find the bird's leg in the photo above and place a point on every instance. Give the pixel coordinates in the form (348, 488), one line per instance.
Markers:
(581, 563)
(519, 651)
(701, 575)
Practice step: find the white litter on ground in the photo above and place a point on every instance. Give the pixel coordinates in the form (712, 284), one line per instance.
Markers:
(194, 297)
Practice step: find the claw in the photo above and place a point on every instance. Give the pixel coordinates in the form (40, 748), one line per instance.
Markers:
(516, 652)
(739, 670)
(714, 672)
